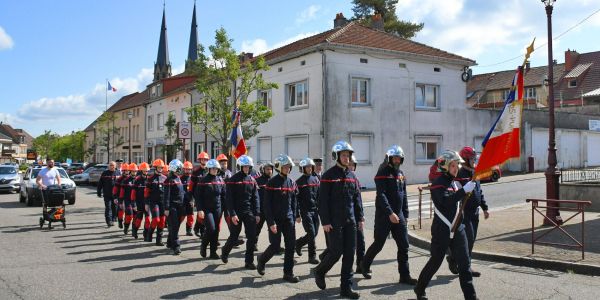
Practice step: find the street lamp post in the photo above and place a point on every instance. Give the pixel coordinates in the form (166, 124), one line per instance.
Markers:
(129, 116)
(94, 145)
(552, 173)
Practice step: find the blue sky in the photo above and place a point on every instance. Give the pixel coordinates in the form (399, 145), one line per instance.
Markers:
(56, 55)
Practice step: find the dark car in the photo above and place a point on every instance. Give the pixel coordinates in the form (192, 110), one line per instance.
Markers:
(74, 170)
(30, 193)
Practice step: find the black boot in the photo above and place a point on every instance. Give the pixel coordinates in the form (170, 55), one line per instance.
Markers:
(149, 235)
(134, 231)
(298, 248)
(475, 273)
(145, 233)
(197, 229)
(250, 266)
(224, 254)
(312, 259)
(319, 279)
(366, 272)
(203, 246)
(214, 255)
(120, 223)
(176, 250)
(421, 295)
(188, 231)
(159, 233)
(291, 278)
(126, 229)
(407, 280)
(452, 265)
(348, 293)
(260, 266)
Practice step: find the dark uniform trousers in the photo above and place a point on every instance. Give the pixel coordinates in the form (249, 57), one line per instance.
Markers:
(108, 208)
(288, 229)
(471, 225)
(211, 222)
(382, 229)
(342, 241)
(249, 222)
(311, 223)
(176, 213)
(360, 245)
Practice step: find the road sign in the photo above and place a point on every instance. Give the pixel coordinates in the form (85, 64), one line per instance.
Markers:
(594, 125)
(185, 130)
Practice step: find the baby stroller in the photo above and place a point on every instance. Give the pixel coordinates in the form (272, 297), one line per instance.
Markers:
(53, 206)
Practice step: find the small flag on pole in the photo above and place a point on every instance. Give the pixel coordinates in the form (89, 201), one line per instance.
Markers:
(238, 145)
(110, 87)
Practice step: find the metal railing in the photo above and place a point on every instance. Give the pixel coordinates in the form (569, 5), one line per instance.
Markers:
(579, 207)
(580, 175)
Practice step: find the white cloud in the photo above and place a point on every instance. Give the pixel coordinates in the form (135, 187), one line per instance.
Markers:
(10, 119)
(260, 46)
(6, 42)
(308, 14)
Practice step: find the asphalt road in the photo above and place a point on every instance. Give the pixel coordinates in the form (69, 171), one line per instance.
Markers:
(89, 261)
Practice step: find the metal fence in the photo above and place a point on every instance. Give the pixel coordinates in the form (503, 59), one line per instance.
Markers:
(581, 175)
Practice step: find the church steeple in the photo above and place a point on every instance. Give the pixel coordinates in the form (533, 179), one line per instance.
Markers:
(162, 66)
(193, 47)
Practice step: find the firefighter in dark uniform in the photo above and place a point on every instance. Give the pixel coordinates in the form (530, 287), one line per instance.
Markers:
(360, 233)
(117, 194)
(105, 189)
(308, 193)
(188, 201)
(391, 213)
(340, 209)
(174, 203)
(155, 188)
(196, 176)
(281, 210)
(471, 210)
(226, 174)
(211, 196)
(244, 208)
(137, 194)
(128, 202)
(447, 194)
(266, 171)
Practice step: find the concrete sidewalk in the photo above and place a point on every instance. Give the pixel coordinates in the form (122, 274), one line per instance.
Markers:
(506, 237)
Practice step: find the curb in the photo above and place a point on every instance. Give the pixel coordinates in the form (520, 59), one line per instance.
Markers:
(538, 263)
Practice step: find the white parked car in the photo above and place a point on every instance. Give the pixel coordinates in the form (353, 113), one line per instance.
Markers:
(30, 193)
(83, 178)
(10, 180)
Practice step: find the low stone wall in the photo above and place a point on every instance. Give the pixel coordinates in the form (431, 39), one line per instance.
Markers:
(589, 191)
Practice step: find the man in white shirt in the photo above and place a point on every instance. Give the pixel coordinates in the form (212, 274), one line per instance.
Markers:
(48, 176)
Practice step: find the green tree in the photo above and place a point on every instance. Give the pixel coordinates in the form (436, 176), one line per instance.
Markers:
(365, 9)
(223, 81)
(174, 144)
(43, 143)
(107, 136)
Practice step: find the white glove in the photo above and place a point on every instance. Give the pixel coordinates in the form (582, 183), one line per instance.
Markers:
(469, 186)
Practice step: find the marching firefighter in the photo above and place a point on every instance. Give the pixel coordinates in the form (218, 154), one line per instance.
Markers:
(308, 192)
(125, 194)
(266, 171)
(360, 234)
(174, 203)
(447, 194)
(223, 162)
(105, 189)
(117, 193)
(137, 194)
(281, 210)
(340, 209)
(211, 192)
(391, 213)
(471, 209)
(226, 174)
(188, 201)
(196, 176)
(243, 206)
(153, 193)
(318, 167)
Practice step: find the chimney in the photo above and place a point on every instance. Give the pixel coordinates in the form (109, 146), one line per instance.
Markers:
(377, 22)
(527, 66)
(339, 21)
(570, 59)
(244, 57)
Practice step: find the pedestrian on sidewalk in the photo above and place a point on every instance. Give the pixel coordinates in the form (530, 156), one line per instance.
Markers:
(340, 209)
(308, 193)
(391, 213)
(155, 188)
(266, 171)
(105, 190)
(244, 208)
(471, 208)
(281, 210)
(211, 196)
(174, 203)
(137, 194)
(447, 194)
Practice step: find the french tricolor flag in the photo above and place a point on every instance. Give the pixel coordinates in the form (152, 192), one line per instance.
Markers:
(110, 87)
(238, 146)
(503, 140)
